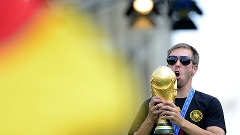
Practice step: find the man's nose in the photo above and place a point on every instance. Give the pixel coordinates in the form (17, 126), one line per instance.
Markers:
(178, 62)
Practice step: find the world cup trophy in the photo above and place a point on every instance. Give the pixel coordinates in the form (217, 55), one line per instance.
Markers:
(164, 84)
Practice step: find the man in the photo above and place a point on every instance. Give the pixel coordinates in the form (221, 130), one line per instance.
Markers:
(202, 116)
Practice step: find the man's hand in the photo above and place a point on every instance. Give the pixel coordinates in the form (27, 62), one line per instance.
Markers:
(153, 110)
(170, 111)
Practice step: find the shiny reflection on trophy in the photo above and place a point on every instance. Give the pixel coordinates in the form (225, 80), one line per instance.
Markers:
(164, 84)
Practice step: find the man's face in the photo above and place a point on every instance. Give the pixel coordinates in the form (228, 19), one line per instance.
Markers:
(180, 62)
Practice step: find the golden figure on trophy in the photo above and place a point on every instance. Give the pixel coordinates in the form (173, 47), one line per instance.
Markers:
(164, 84)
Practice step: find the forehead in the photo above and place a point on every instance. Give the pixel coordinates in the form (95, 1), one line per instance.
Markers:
(182, 52)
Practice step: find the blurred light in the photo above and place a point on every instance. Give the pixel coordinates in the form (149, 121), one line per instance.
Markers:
(179, 12)
(143, 6)
(142, 12)
(142, 22)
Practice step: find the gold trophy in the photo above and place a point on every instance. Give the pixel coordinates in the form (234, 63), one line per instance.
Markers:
(164, 84)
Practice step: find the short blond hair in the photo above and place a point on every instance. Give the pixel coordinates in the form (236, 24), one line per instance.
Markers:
(195, 55)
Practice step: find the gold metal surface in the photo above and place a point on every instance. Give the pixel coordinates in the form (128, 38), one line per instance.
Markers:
(163, 127)
(164, 84)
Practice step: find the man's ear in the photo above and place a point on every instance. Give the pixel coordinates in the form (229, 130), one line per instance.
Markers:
(194, 71)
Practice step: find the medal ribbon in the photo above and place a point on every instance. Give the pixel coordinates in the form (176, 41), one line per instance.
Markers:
(185, 108)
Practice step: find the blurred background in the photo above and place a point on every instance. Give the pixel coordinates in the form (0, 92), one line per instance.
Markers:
(71, 67)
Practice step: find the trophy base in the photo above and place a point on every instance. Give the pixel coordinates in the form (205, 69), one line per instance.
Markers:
(164, 129)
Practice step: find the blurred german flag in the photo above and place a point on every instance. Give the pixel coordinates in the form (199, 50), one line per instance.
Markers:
(60, 74)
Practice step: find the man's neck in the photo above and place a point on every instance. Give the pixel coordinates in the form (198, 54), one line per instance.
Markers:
(183, 92)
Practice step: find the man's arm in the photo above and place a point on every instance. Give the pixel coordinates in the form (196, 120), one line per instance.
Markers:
(192, 129)
(170, 111)
(151, 119)
(146, 127)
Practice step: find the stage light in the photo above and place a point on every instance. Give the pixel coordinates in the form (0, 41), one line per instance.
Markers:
(142, 13)
(143, 6)
(184, 23)
(142, 22)
(179, 12)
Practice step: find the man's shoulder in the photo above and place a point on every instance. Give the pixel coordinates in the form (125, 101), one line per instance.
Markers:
(202, 94)
(147, 101)
(207, 98)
